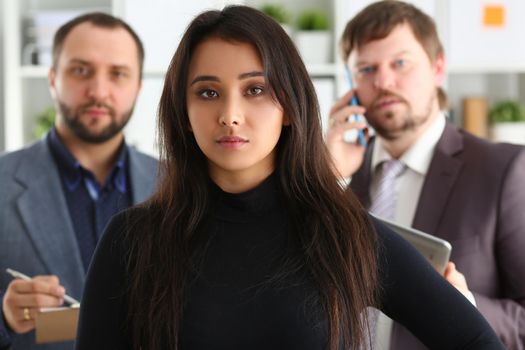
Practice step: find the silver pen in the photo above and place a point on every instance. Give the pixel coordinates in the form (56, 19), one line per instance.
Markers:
(21, 276)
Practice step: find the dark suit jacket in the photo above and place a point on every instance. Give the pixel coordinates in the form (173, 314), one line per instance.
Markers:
(474, 197)
(36, 231)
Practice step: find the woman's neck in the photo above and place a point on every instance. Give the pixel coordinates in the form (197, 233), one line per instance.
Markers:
(239, 181)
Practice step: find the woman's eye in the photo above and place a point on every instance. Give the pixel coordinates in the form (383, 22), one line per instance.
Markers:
(208, 93)
(255, 91)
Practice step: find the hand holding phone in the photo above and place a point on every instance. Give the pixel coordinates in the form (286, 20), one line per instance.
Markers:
(350, 134)
(342, 137)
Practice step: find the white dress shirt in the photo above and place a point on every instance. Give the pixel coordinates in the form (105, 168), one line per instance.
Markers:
(417, 158)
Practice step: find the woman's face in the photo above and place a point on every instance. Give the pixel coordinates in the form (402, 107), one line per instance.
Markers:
(232, 114)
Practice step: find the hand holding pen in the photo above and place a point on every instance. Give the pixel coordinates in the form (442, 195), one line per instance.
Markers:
(24, 296)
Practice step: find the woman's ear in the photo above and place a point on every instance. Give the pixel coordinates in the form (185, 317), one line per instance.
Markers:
(286, 120)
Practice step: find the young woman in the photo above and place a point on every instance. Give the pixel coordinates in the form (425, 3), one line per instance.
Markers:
(249, 242)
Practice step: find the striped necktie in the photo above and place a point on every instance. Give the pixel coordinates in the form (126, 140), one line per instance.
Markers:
(384, 199)
(383, 205)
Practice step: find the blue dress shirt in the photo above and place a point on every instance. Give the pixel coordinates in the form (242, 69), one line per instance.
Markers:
(91, 205)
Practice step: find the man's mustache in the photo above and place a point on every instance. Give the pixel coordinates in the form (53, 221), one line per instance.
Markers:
(97, 104)
(387, 94)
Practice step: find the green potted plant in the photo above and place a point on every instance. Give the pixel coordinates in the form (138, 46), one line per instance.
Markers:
(313, 38)
(507, 119)
(279, 13)
(44, 122)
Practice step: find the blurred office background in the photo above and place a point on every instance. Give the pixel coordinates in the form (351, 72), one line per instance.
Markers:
(485, 51)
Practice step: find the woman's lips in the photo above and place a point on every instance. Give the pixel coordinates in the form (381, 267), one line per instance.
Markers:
(232, 141)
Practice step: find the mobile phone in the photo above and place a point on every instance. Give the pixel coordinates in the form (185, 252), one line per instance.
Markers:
(350, 135)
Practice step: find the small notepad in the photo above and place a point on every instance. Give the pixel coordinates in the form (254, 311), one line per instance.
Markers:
(56, 324)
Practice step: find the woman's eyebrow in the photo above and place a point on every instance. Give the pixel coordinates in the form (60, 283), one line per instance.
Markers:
(251, 74)
(205, 78)
(214, 78)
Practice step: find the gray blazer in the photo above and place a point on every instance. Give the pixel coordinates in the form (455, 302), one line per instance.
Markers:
(474, 197)
(36, 231)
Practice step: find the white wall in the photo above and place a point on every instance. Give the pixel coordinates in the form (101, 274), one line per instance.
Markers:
(2, 141)
(35, 95)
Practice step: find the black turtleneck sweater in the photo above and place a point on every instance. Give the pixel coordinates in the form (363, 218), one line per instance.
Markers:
(242, 300)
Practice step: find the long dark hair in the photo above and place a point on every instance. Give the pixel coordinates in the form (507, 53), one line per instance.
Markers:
(331, 228)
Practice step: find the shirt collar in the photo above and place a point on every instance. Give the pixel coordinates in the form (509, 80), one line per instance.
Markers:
(419, 155)
(73, 173)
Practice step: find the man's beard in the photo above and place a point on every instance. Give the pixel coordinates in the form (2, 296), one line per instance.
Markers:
(409, 121)
(72, 119)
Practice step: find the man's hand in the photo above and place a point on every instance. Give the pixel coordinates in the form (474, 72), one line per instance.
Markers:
(23, 299)
(457, 279)
(347, 157)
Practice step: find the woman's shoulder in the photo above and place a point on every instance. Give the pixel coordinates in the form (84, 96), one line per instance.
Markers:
(125, 224)
(127, 218)
(387, 237)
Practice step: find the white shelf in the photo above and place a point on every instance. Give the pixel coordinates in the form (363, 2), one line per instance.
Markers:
(322, 70)
(34, 71)
(40, 72)
(315, 70)
(486, 69)
(154, 72)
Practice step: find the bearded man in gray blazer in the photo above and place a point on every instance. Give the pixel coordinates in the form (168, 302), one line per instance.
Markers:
(449, 183)
(57, 195)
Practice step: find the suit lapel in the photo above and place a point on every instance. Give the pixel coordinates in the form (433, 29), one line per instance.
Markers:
(441, 176)
(44, 212)
(142, 180)
(360, 183)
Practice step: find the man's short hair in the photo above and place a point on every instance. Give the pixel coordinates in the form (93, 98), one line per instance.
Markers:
(377, 21)
(98, 19)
